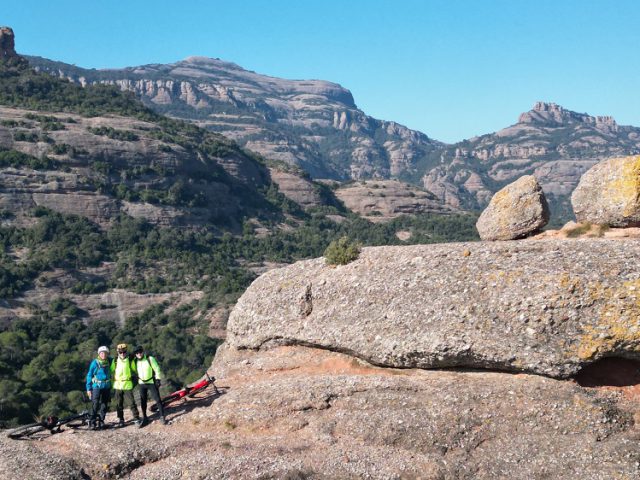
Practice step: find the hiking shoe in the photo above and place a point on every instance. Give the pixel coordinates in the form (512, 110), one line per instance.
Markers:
(144, 422)
(121, 423)
(92, 425)
(138, 422)
(165, 421)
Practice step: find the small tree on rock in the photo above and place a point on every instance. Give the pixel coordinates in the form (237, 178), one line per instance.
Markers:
(341, 252)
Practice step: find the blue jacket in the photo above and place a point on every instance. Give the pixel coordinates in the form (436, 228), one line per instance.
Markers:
(99, 377)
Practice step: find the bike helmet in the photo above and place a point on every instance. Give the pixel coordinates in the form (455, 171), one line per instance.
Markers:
(139, 349)
(122, 348)
(103, 349)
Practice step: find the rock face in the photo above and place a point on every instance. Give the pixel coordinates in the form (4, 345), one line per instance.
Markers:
(7, 44)
(553, 143)
(296, 188)
(86, 163)
(547, 307)
(518, 210)
(313, 124)
(384, 200)
(609, 193)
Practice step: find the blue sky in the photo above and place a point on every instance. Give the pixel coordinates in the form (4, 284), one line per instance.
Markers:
(451, 69)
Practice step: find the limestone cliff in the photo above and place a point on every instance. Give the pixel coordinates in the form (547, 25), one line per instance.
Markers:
(314, 124)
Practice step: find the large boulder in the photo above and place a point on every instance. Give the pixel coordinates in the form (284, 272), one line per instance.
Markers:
(548, 306)
(609, 193)
(516, 211)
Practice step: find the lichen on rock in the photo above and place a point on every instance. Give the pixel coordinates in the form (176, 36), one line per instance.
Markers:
(609, 193)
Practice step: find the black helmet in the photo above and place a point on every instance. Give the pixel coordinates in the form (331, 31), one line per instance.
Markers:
(138, 349)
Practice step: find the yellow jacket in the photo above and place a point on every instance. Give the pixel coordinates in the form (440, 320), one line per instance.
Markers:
(148, 369)
(122, 372)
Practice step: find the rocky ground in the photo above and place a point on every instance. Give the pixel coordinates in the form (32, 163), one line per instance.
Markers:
(293, 407)
(298, 412)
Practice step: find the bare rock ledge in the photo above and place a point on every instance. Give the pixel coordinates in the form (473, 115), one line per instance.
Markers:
(547, 307)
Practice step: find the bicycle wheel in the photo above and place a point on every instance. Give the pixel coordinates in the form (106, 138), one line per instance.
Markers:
(26, 430)
(169, 399)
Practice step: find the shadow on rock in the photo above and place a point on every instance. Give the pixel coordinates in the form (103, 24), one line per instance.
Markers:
(610, 372)
(185, 406)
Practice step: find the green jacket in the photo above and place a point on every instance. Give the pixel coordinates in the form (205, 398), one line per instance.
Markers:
(148, 369)
(122, 373)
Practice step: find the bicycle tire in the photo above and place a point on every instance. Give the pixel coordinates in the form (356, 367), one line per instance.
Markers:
(26, 430)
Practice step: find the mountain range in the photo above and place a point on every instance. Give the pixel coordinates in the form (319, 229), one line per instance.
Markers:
(317, 126)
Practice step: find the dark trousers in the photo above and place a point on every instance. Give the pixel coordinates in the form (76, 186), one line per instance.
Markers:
(144, 389)
(100, 398)
(120, 396)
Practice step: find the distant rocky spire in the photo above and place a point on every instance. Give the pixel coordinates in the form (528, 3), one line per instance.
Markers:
(7, 44)
(553, 114)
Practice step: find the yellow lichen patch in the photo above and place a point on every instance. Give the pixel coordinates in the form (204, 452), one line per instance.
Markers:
(625, 190)
(618, 325)
(502, 198)
(568, 283)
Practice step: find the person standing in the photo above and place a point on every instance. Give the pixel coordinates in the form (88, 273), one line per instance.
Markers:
(149, 380)
(123, 370)
(98, 387)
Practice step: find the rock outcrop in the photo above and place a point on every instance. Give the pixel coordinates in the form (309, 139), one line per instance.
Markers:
(609, 193)
(313, 124)
(7, 44)
(554, 144)
(542, 307)
(518, 210)
(297, 188)
(85, 160)
(299, 412)
(384, 200)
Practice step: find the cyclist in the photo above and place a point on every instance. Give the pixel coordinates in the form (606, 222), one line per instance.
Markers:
(98, 387)
(123, 370)
(149, 380)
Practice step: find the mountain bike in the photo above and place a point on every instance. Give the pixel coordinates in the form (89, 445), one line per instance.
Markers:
(51, 423)
(188, 391)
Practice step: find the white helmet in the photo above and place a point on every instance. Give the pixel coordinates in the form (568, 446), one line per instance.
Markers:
(103, 349)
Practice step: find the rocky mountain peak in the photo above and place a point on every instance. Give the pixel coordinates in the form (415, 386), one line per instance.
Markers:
(552, 113)
(7, 43)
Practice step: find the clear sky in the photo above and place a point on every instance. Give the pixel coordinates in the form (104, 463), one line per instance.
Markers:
(449, 68)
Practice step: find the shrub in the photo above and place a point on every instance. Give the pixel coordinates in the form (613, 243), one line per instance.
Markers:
(341, 251)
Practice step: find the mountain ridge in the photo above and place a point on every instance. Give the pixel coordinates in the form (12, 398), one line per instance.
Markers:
(314, 124)
(318, 127)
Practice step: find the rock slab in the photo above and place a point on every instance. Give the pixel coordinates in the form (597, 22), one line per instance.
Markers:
(548, 307)
(516, 211)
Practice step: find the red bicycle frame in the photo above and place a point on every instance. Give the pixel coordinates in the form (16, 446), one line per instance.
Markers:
(189, 391)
